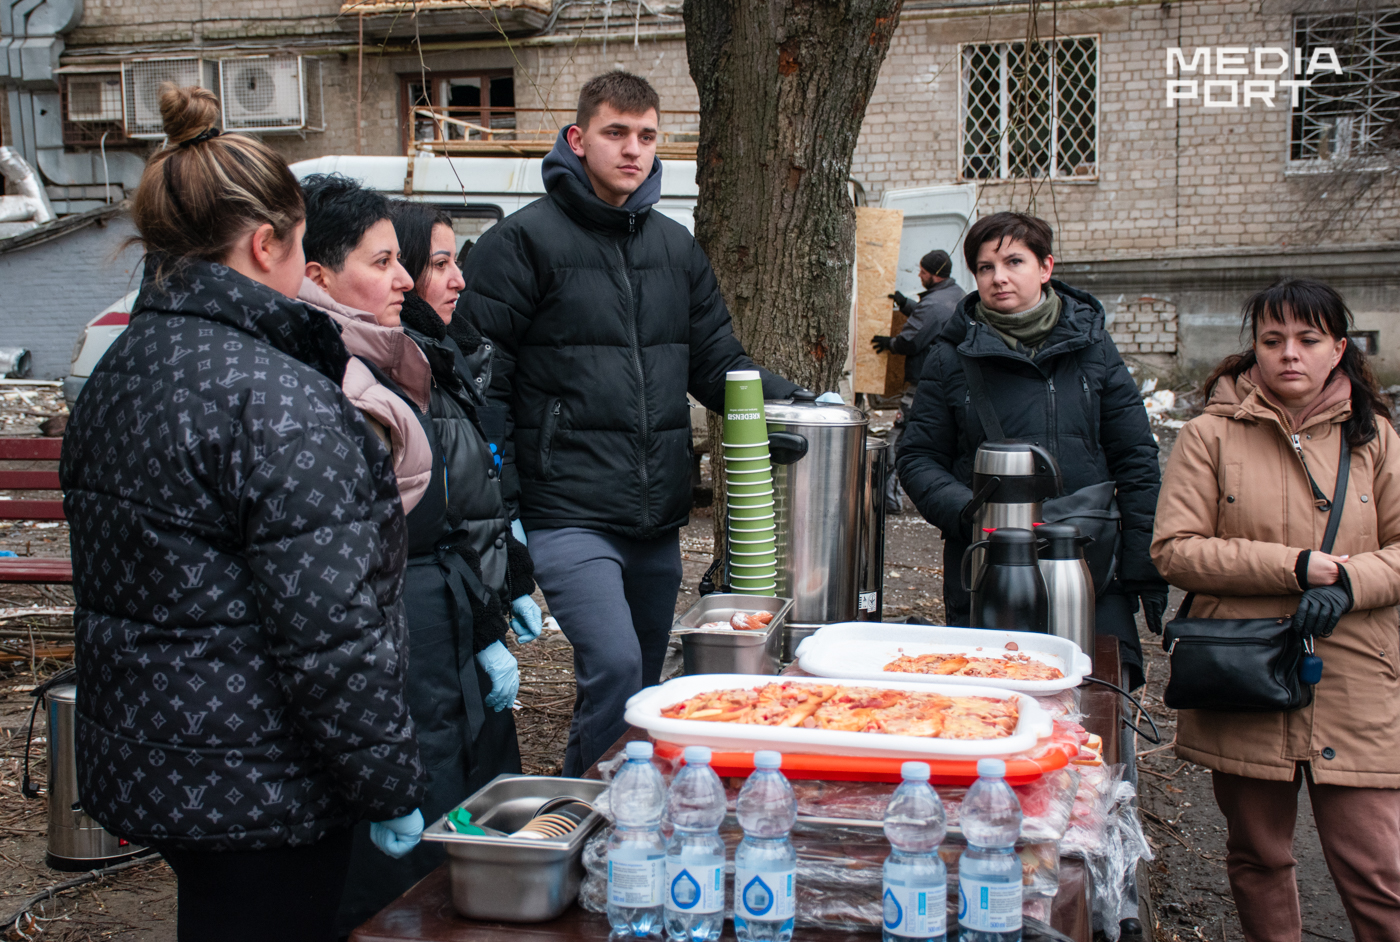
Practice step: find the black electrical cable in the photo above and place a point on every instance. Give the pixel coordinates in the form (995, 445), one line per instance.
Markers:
(141, 857)
(1155, 737)
(67, 675)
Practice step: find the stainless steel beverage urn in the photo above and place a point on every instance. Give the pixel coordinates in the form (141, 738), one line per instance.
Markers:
(1010, 593)
(76, 841)
(819, 480)
(870, 602)
(1009, 482)
(1068, 584)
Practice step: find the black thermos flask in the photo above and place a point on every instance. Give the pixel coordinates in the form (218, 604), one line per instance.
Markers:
(1010, 593)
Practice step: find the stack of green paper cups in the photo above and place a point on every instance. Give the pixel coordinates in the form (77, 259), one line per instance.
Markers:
(749, 480)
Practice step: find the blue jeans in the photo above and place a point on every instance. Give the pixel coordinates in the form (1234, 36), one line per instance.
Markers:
(615, 599)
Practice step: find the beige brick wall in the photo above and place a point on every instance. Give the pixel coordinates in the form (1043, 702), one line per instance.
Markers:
(1144, 325)
(180, 21)
(1169, 179)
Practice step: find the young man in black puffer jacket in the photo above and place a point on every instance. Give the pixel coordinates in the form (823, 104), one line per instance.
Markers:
(604, 314)
(1052, 376)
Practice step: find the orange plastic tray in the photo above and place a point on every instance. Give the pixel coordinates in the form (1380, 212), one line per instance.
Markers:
(868, 769)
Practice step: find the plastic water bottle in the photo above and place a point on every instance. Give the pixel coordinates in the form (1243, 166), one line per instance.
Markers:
(989, 872)
(636, 852)
(765, 865)
(695, 856)
(916, 882)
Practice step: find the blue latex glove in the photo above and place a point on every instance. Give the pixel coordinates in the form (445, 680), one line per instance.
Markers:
(517, 529)
(398, 836)
(528, 621)
(504, 674)
(833, 397)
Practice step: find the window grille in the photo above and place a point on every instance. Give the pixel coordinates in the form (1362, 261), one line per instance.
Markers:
(1355, 114)
(1031, 110)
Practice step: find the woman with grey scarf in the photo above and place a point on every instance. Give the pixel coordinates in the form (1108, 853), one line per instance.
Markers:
(1052, 375)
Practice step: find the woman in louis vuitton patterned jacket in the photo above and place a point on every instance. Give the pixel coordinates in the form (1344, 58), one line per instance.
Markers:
(238, 549)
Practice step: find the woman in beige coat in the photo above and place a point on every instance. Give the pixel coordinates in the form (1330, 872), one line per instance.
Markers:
(1239, 522)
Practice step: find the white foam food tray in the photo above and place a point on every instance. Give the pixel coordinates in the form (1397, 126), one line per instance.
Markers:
(644, 710)
(860, 650)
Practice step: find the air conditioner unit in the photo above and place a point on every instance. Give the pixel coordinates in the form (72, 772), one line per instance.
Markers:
(269, 93)
(95, 96)
(142, 80)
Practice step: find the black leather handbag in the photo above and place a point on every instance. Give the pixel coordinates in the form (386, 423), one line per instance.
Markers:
(1246, 665)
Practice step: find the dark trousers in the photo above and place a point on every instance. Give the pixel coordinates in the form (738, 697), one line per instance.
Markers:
(288, 894)
(464, 744)
(615, 599)
(1360, 833)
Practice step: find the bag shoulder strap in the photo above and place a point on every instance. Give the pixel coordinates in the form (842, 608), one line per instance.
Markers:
(991, 425)
(1339, 495)
(1334, 517)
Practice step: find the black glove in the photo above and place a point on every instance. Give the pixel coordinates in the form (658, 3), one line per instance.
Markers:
(1320, 608)
(1154, 605)
(880, 342)
(899, 300)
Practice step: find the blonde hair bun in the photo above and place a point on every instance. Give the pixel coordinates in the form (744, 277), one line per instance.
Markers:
(187, 112)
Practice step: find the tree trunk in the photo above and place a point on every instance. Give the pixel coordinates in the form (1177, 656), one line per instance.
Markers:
(783, 87)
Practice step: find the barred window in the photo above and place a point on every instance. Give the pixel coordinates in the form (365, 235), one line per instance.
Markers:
(1031, 110)
(1355, 114)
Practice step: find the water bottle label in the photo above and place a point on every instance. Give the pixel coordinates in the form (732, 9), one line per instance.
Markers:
(694, 887)
(636, 884)
(989, 907)
(918, 912)
(765, 895)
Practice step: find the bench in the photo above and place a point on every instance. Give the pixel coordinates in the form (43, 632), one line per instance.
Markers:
(28, 568)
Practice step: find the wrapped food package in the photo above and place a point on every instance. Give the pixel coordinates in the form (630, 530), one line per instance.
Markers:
(1106, 831)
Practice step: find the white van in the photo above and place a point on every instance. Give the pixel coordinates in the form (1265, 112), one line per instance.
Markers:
(477, 192)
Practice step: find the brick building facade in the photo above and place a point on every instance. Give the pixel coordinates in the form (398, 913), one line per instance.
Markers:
(1170, 214)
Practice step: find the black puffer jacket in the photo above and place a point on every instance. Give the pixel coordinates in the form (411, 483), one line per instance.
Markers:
(603, 317)
(238, 550)
(1075, 397)
(475, 517)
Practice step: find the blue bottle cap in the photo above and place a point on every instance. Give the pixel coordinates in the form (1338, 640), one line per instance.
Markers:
(991, 768)
(915, 771)
(767, 759)
(639, 750)
(697, 755)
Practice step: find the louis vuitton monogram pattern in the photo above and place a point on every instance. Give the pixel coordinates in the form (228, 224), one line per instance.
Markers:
(238, 549)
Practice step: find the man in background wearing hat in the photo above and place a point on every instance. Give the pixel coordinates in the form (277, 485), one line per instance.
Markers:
(927, 314)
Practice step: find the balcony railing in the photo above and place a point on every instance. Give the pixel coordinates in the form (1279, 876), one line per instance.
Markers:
(526, 132)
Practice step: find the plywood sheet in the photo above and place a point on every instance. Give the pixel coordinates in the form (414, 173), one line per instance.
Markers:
(877, 264)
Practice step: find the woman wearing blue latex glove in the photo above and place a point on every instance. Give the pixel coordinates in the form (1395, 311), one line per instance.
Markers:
(398, 836)
(527, 621)
(500, 666)
(464, 566)
(290, 757)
